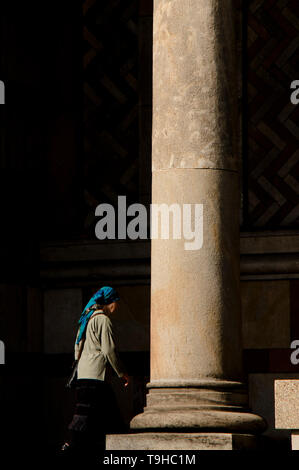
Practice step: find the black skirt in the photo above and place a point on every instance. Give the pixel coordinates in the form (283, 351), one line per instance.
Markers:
(96, 412)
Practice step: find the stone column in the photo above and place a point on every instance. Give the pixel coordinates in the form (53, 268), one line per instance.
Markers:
(196, 387)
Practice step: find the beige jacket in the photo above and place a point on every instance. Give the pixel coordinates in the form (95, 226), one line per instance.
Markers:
(98, 350)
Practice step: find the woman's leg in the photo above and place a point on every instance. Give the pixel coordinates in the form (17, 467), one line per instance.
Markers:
(80, 429)
(96, 414)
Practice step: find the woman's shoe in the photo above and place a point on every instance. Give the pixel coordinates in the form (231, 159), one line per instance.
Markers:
(66, 450)
(66, 447)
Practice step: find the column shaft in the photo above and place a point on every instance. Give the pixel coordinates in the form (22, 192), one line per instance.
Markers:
(196, 345)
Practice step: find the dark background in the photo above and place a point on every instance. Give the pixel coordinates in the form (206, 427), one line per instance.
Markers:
(75, 131)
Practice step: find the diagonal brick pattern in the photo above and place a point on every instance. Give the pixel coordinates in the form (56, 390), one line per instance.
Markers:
(273, 131)
(110, 60)
(112, 94)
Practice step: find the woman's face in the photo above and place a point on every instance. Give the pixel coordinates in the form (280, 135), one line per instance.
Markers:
(113, 307)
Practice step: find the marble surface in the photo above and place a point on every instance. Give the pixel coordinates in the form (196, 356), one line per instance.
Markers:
(287, 404)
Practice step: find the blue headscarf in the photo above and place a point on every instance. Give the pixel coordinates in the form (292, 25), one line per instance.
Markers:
(104, 296)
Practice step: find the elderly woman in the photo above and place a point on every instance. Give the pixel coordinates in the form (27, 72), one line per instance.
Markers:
(96, 410)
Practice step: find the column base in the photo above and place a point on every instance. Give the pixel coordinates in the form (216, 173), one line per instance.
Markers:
(204, 406)
(181, 441)
(198, 420)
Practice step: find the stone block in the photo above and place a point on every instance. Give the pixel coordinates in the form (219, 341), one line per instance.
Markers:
(180, 441)
(295, 440)
(262, 400)
(286, 404)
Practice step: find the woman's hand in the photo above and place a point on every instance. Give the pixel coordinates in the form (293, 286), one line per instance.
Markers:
(125, 379)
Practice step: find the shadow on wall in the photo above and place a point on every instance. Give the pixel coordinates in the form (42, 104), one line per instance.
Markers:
(132, 331)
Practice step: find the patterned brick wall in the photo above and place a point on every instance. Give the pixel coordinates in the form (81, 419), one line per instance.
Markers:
(115, 86)
(273, 132)
(111, 138)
